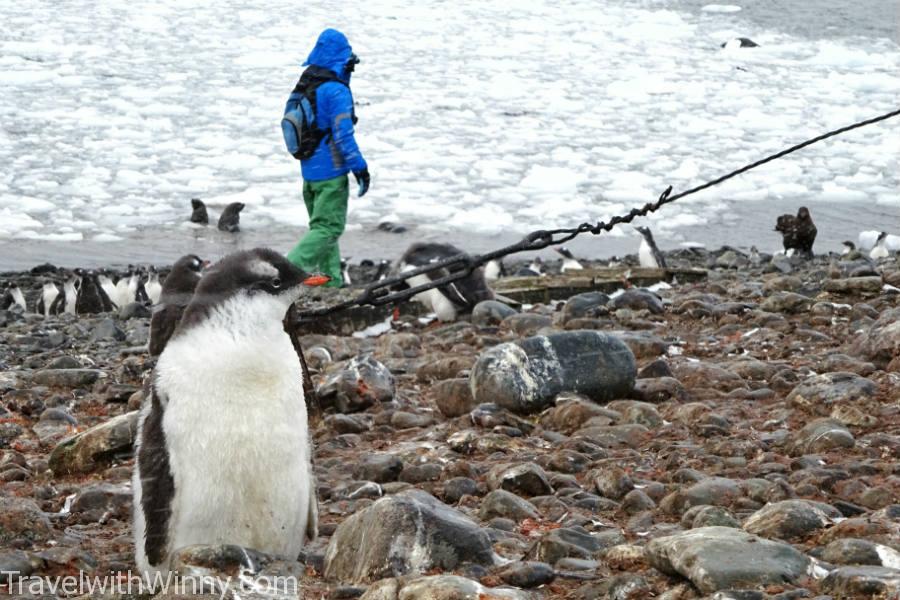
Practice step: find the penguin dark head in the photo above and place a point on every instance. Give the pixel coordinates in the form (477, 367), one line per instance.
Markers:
(645, 231)
(256, 287)
(849, 245)
(565, 252)
(803, 214)
(197, 203)
(881, 237)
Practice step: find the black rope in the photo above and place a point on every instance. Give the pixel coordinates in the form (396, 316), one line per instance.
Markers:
(462, 265)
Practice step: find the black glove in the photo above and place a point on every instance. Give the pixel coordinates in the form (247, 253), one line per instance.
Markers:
(362, 178)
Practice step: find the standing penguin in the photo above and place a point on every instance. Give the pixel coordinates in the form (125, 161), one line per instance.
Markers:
(223, 449)
(648, 254)
(569, 261)
(231, 217)
(880, 250)
(108, 286)
(199, 214)
(152, 286)
(534, 269)
(91, 299)
(65, 302)
(797, 232)
(449, 300)
(49, 293)
(177, 291)
(345, 271)
(13, 297)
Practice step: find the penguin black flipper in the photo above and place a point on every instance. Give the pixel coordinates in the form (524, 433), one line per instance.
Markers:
(162, 326)
(153, 475)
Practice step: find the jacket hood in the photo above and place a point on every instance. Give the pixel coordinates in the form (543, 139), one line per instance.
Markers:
(332, 52)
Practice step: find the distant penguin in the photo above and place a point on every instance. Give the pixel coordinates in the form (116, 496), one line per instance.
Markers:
(125, 288)
(447, 301)
(152, 286)
(109, 287)
(755, 258)
(199, 214)
(49, 293)
(345, 271)
(649, 254)
(231, 217)
(740, 42)
(177, 292)
(494, 270)
(223, 451)
(140, 293)
(847, 247)
(569, 261)
(384, 267)
(534, 269)
(797, 233)
(65, 302)
(13, 297)
(880, 250)
(91, 298)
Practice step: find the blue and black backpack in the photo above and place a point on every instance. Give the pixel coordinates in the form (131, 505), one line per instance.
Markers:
(301, 133)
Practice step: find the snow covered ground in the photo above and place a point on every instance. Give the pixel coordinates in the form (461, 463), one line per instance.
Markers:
(478, 116)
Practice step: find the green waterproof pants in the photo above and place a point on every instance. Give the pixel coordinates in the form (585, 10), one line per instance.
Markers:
(317, 252)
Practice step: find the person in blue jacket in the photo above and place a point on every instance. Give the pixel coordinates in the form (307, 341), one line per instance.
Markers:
(326, 83)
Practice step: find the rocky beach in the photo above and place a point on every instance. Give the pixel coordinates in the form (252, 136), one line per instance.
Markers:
(733, 437)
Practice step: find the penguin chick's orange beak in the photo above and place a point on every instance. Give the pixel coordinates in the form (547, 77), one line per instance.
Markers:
(316, 280)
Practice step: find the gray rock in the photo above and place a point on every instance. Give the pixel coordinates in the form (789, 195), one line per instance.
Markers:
(453, 396)
(638, 299)
(715, 491)
(528, 574)
(134, 310)
(660, 389)
(786, 302)
(850, 551)
(107, 331)
(342, 423)
(22, 519)
(489, 313)
(821, 435)
(587, 305)
(708, 516)
(407, 420)
(637, 501)
(357, 384)
(96, 447)
(881, 342)
(407, 533)
(637, 413)
(612, 482)
(67, 378)
(854, 285)
(457, 487)
(722, 558)
(527, 375)
(614, 436)
(526, 324)
(791, 519)
(862, 582)
(572, 411)
(500, 503)
(568, 542)
(64, 362)
(380, 468)
(100, 501)
(16, 563)
(821, 393)
(448, 587)
(525, 479)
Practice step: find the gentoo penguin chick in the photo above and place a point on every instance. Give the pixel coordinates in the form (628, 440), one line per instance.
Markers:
(65, 302)
(91, 298)
(231, 217)
(755, 258)
(797, 233)
(494, 270)
(177, 291)
(534, 269)
(198, 212)
(452, 299)
(880, 250)
(648, 254)
(49, 292)
(847, 247)
(14, 297)
(569, 262)
(384, 268)
(223, 450)
(109, 287)
(152, 286)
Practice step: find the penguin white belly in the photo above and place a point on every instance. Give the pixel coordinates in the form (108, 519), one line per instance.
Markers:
(437, 302)
(238, 444)
(645, 255)
(879, 252)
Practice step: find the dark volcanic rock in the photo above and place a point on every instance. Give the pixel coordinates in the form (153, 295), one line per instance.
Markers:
(638, 299)
(525, 376)
(849, 551)
(722, 558)
(882, 341)
(22, 519)
(527, 574)
(357, 385)
(407, 533)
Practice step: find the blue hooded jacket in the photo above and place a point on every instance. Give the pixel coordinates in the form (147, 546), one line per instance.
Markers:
(337, 153)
